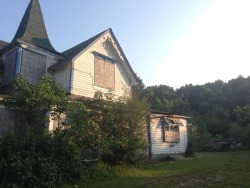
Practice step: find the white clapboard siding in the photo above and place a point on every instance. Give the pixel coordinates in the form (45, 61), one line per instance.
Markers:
(62, 76)
(83, 72)
(158, 147)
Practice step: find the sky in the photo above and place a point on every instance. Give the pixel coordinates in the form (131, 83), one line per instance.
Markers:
(168, 42)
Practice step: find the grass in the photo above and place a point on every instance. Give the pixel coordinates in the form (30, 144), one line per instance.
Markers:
(221, 169)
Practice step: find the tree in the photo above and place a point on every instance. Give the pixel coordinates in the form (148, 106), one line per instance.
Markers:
(138, 89)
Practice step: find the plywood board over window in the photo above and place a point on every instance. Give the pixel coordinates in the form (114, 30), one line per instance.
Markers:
(171, 131)
(104, 73)
(33, 66)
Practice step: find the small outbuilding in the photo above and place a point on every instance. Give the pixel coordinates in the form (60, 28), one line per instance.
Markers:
(167, 134)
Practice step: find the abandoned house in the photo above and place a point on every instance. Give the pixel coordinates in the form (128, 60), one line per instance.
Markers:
(97, 64)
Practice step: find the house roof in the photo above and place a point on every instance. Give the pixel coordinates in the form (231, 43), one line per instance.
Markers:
(168, 114)
(3, 44)
(32, 29)
(74, 51)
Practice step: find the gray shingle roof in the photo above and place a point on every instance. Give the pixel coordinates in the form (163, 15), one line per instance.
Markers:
(32, 28)
(72, 52)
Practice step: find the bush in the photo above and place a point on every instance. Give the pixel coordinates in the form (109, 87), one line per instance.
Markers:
(190, 150)
(114, 127)
(122, 124)
(39, 160)
(26, 161)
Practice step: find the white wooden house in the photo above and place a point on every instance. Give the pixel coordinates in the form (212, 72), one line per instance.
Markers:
(167, 134)
(97, 64)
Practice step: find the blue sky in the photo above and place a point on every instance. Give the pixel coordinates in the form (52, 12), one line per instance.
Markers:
(170, 42)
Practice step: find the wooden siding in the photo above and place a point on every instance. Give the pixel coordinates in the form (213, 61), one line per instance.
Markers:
(83, 71)
(159, 147)
(62, 76)
(9, 66)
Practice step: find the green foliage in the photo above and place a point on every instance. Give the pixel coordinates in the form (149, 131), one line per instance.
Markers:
(84, 130)
(240, 129)
(35, 100)
(197, 139)
(27, 161)
(121, 125)
(213, 107)
(33, 159)
(229, 169)
(243, 115)
(138, 90)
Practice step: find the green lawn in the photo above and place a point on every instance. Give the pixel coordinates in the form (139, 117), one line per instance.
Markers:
(222, 169)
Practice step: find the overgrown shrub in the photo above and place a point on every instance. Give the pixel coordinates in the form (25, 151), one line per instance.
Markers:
(30, 159)
(34, 101)
(196, 140)
(27, 161)
(122, 124)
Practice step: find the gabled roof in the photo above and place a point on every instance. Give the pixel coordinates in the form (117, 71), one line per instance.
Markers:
(32, 28)
(73, 52)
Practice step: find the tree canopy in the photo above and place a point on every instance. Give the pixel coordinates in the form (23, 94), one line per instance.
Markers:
(217, 109)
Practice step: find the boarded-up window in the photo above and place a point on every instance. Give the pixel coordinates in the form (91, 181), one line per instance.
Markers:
(104, 73)
(33, 66)
(171, 131)
(9, 67)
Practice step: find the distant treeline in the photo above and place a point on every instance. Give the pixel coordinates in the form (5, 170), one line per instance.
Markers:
(219, 109)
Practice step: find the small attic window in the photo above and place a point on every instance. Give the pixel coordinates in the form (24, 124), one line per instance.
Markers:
(104, 71)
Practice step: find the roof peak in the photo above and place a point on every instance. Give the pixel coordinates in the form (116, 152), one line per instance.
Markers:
(32, 27)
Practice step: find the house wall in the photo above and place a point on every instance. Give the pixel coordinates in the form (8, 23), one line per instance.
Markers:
(34, 63)
(160, 149)
(10, 59)
(83, 71)
(62, 76)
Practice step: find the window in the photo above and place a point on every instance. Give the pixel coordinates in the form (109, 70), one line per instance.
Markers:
(104, 72)
(171, 131)
(33, 66)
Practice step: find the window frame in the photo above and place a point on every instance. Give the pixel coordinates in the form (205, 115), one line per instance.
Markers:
(106, 60)
(170, 128)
